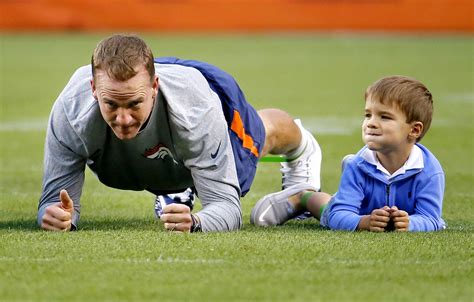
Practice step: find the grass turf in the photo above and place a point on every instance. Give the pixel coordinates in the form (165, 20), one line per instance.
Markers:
(121, 253)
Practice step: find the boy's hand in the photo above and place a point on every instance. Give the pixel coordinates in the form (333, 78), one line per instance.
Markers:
(400, 218)
(376, 221)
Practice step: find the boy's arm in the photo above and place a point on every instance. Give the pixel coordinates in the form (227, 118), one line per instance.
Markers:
(428, 205)
(345, 206)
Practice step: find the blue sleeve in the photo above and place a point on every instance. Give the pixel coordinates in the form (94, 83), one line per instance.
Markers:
(428, 205)
(345, 207)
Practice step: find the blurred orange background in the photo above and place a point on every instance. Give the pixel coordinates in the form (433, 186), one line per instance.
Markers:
(238, 15)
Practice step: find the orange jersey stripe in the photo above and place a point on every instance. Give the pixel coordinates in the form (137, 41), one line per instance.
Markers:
(238, 127)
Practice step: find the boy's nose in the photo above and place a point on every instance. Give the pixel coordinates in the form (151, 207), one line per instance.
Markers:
(371, 123)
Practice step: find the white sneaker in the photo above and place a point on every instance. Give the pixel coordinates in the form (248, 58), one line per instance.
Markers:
(307, 167)
(186, 197)
(275, 208)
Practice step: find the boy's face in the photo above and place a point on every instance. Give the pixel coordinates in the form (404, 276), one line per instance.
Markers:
(385, 129)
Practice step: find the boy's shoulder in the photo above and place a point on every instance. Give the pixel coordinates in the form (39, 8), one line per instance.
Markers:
(430, 162)
(359, 165)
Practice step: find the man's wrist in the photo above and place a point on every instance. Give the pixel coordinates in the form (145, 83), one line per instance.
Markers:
(196, 224)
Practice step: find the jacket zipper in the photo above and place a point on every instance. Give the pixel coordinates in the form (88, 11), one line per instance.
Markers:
(391, 225)
(387, 191)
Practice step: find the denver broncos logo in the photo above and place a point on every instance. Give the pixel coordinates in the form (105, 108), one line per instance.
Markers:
(159, 151)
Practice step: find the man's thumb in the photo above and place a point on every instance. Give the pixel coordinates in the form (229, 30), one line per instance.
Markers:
(66, 201)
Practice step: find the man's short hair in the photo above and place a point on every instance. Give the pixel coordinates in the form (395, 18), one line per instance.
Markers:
(408, 94)
(119, 55)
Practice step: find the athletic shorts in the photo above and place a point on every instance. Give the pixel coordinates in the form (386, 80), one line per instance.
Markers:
(246, 130)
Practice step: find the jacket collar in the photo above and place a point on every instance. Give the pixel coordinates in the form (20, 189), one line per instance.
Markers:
(414, 164)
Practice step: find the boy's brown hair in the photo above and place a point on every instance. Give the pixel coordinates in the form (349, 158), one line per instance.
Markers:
(408, 94)
(119, 55)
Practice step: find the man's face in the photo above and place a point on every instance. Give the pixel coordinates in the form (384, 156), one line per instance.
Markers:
(125, 105)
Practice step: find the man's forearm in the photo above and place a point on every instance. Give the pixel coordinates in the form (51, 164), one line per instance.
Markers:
(220, 217)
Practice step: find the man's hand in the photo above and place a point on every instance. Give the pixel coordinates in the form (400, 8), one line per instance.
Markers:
(177, 218)
(400, 218)
(58, 216)
(377, 220)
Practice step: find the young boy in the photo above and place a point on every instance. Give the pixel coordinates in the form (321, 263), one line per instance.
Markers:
(392, 183)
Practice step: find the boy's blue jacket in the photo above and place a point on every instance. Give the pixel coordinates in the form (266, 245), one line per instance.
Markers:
(363, 188)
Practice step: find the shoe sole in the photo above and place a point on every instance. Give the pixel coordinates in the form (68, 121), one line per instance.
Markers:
(265, 203)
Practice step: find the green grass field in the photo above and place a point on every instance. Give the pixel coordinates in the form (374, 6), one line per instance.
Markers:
(120, 252)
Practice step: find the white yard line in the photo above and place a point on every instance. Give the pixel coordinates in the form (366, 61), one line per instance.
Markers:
(24, 125)
(467, 98)
(176, 260)
(159, 259)
(332, 125)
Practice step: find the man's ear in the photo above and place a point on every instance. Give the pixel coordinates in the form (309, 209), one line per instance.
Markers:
(416, 130)
(94, 91)
(155, 86)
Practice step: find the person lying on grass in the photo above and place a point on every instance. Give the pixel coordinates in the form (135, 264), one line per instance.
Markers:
(170, 126)
(392, 183)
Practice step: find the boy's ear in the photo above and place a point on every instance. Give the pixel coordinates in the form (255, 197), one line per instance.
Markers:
(416, 130)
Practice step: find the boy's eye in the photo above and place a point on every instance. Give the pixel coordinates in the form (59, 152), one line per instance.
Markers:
(386, 117)
(367, 115)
